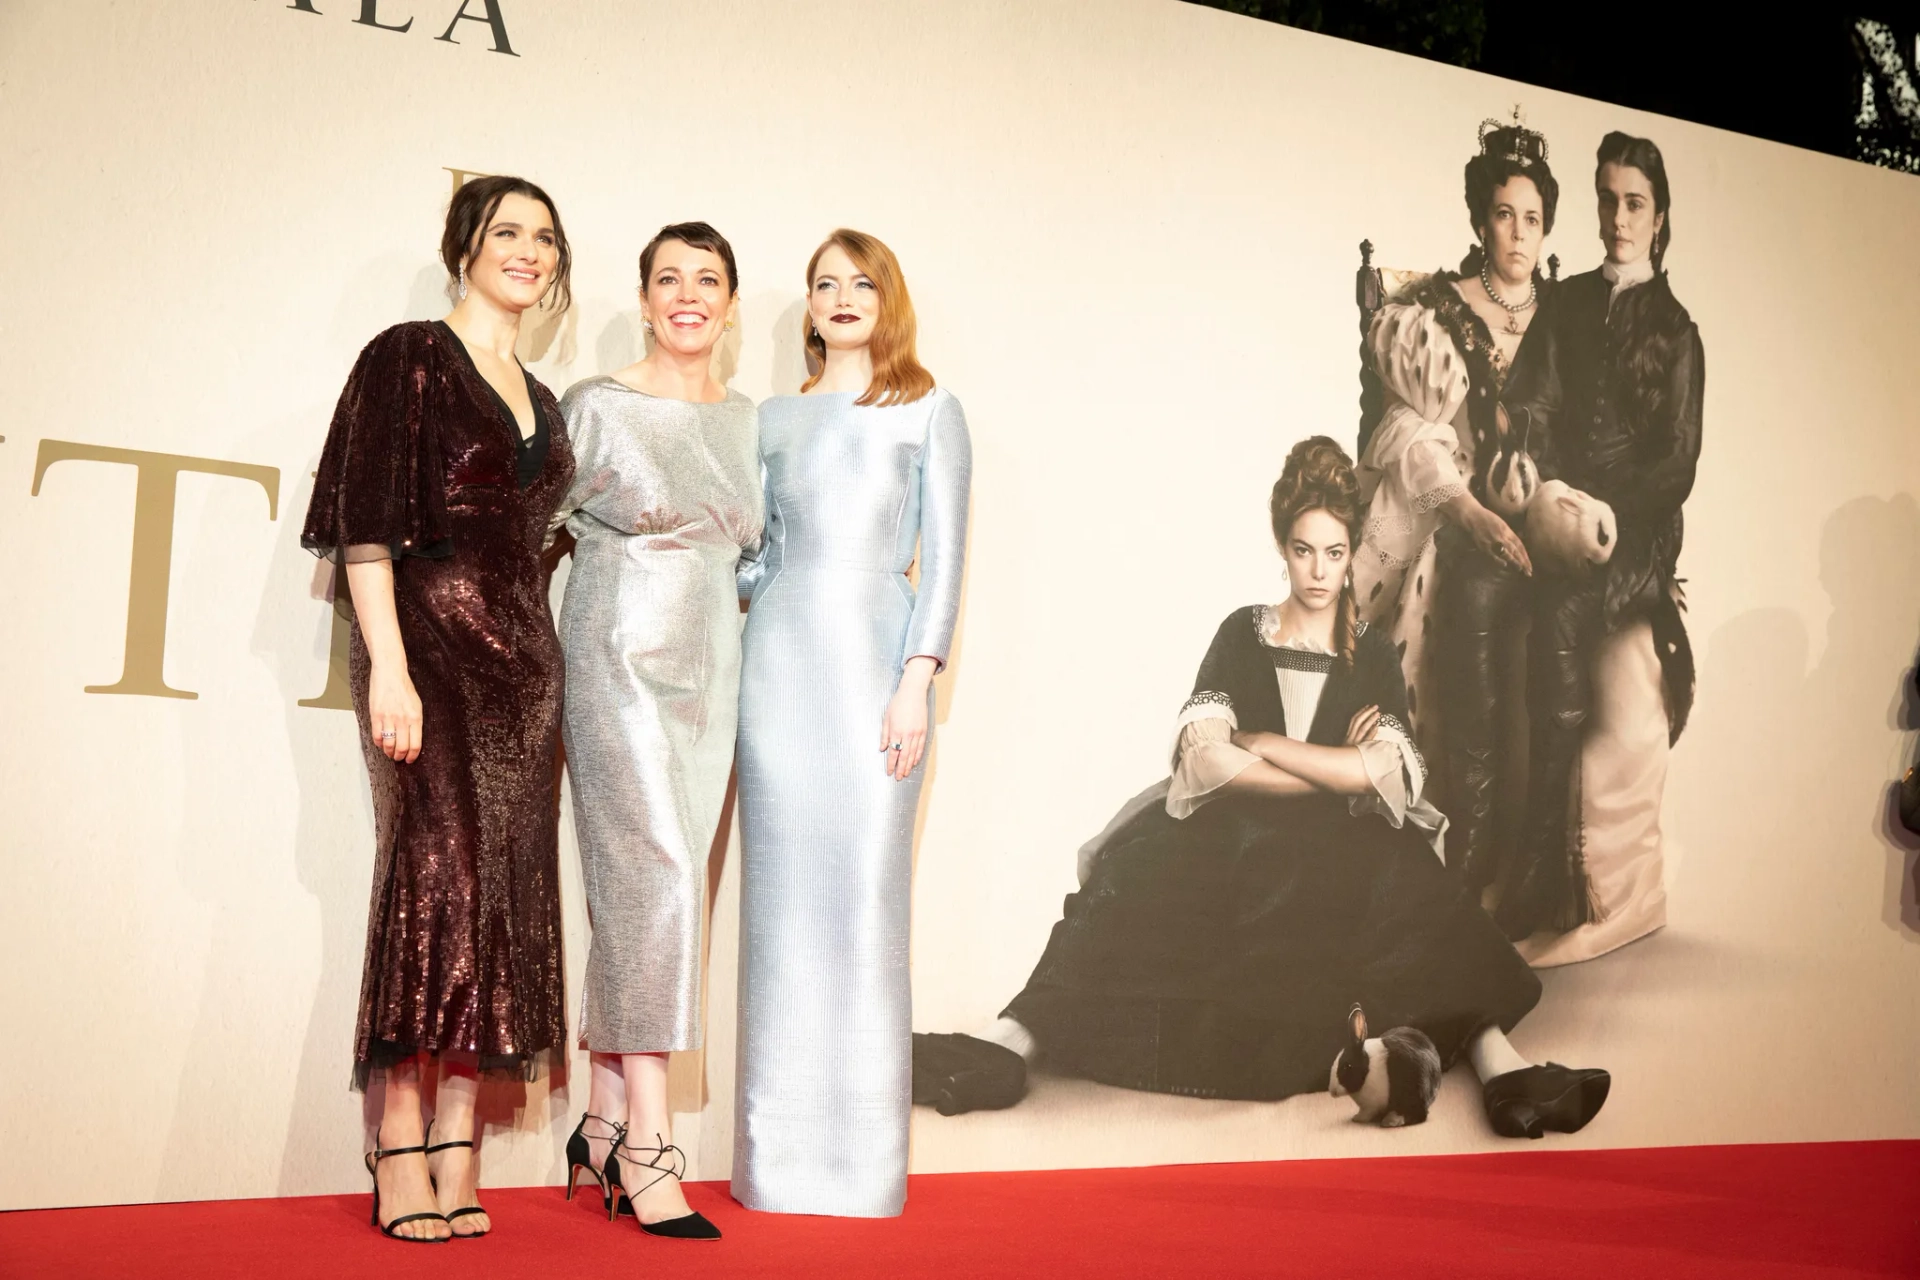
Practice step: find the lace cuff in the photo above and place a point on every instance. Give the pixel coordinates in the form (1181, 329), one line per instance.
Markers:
(1205, 760)
(1398, 774)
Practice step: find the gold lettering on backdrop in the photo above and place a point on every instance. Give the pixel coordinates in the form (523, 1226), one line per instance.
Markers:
(142, 669)
(461, 177)
(338, 695)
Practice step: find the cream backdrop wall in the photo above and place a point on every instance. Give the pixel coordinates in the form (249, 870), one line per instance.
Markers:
(1130, 227)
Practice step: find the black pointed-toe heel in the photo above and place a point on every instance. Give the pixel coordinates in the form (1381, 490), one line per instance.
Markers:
(374, 1158)
(1528, 1102)
(579, 1157)
(667, 1161)
(469, 1210)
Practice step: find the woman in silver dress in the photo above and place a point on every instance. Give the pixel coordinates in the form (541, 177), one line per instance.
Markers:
(869, 461)
(664, 503)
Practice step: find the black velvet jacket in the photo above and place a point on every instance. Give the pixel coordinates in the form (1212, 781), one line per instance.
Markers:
(1611, 404)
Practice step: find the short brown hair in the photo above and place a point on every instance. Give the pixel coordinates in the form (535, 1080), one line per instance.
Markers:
(696, 235)
(470, 213)
(898, 375)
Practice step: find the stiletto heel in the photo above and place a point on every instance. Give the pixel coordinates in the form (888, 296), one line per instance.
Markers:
(668, 1161)
(580, 1156)
(457, 1213)
(374, 1158)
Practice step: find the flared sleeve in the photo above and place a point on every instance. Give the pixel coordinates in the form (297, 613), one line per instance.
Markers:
(380, 489)
(1411, 466)
(1204, 759)
(946, 475)
(1396, 770)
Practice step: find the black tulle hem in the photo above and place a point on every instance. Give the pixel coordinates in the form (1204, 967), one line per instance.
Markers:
(506, 1068)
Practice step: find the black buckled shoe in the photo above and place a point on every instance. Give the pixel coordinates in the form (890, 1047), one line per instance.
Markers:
(955, 1073)
(1528, 1102)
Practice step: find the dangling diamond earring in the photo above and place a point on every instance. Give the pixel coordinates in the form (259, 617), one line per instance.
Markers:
(463, 282)
(647, 325)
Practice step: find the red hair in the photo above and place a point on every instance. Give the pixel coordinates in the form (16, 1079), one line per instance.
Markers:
(898, 375)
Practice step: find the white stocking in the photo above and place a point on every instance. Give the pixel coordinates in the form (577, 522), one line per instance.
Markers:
(1010, 1034)
(1492, 1054)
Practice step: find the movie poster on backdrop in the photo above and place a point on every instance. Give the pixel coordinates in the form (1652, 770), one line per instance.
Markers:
(1510, 666)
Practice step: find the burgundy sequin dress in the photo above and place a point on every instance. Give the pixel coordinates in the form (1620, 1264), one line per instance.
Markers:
(424, 463)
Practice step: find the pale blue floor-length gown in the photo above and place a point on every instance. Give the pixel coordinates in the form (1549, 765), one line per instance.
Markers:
(826, 1016)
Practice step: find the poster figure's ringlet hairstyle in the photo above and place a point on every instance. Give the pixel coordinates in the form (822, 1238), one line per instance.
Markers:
(471, 212)
(1640, 153)
(1319, 477)
(1509, 151)
(898, 375)
(696, 235)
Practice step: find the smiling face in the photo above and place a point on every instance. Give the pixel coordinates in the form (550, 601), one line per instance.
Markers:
(687, 297)
(843, 302)
(513, 264)
(1628, 222)
(1316, 553)
(1514, 229)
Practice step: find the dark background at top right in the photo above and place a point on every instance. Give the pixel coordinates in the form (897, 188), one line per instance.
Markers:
(1841, 80)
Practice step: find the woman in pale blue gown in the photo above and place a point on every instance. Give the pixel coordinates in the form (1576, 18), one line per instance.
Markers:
(868, 463)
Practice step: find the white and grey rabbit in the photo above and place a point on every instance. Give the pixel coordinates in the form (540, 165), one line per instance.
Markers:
(1513, 479)
(1392, 1079)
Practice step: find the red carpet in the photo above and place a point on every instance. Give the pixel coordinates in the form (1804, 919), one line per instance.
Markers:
(1826, 1210)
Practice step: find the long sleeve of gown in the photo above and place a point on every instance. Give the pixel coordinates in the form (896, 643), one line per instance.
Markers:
(753, 560)
(1412, 464)
(379, 492)
(946, 474)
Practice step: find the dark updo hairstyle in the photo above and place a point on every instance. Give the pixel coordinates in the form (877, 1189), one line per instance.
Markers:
(697, 235)
(1508, 152)
(1640, 153)
(471, 212)
(1319, 477)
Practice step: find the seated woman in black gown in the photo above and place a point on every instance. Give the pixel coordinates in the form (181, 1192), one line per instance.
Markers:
(1220, 938)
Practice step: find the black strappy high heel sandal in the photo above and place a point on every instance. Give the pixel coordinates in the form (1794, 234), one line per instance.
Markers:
(668, 1161)
(457, 1213)
(579, 1157)
(374, 1158)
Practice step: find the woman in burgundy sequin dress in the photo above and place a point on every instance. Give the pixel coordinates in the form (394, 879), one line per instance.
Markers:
(444, 461)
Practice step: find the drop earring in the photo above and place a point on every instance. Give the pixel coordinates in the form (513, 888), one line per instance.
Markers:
(463, 282)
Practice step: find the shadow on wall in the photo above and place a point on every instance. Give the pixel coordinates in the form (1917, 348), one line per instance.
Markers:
(1779, 803)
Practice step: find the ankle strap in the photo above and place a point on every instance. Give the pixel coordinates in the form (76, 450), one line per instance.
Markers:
(379, 1154)
(663, 1163)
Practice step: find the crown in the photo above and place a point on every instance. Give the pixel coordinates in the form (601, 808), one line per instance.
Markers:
(1513, 141)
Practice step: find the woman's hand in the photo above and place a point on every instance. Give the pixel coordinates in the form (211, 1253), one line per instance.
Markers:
(1360, 728)
(394, 709)
(903, 730)
(1495, 537)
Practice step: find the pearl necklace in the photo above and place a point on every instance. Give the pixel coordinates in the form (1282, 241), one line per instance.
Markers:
(1513, 309)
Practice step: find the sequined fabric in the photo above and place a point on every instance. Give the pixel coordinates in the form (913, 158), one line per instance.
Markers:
(826, 1013)
(666, 500)
(463, 936)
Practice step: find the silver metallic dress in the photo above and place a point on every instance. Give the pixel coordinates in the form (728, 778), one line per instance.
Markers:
(826, 1017)
(665, 501)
